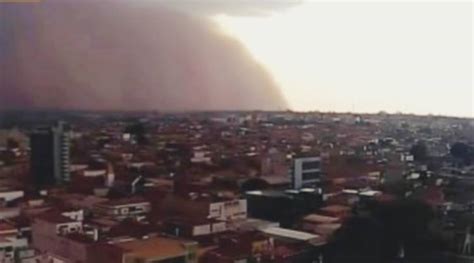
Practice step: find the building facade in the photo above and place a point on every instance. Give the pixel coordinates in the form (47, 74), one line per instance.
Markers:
(306, 171)
(50, 150)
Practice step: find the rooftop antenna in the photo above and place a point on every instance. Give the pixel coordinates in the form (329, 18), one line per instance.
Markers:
(134, 184)
(321, 258)
(110, 176)
(401, 251)
(466, 249)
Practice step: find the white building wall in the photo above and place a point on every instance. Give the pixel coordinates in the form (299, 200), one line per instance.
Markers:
(228, 210)
(297, 174)
(11, 195)
(201, 230)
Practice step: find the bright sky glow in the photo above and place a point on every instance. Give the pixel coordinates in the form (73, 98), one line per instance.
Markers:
(366, 57)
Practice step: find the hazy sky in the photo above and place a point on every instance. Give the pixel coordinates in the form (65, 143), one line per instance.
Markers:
(413, 57)
(365, 56)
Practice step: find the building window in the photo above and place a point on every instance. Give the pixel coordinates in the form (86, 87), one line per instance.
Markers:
(63, 229)
(124, 211)
(311, 165)
(311, 175)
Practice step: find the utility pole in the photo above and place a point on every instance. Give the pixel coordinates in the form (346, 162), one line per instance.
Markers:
(466, 248)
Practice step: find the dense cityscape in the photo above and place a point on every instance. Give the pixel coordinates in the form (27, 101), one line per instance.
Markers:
(236, 131)
(238, 187)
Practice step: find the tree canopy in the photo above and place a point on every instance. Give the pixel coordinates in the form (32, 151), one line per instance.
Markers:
(462, 151)
(419, 151)
(380, 235)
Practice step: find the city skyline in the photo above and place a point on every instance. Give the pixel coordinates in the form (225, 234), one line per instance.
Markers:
(236, 131)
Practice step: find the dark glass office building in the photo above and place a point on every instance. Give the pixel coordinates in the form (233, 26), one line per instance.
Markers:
(50, 155)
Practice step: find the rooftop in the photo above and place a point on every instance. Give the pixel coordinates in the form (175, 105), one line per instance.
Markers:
(336, 208)
(6, 227)
(155, 247)
(55, 217)
(123, 202)
(315, 218)
(288, 233)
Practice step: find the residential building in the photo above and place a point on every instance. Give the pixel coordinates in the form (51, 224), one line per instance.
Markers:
(120, 209)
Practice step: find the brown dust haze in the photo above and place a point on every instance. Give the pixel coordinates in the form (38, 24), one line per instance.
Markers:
(124, 56)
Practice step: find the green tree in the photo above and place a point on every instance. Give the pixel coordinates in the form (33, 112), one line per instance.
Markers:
(462, 151)
(254, 184)
(419, 151)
